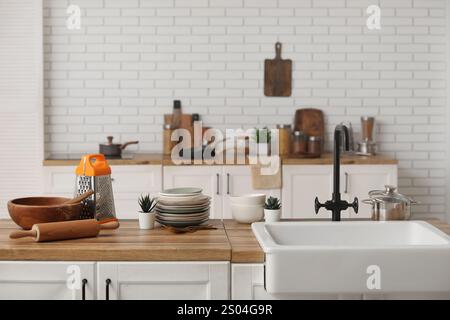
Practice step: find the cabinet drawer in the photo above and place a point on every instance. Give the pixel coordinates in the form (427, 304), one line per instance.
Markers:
(59, 180)
(23, 280)
(163, 280)
(136, 179)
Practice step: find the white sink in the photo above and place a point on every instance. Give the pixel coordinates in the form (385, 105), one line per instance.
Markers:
(350, 257)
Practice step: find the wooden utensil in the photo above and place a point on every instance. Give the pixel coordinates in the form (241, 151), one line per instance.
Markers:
(189, 229)
(277, 75)
(80, 198)
(310, 121)
(65, 230)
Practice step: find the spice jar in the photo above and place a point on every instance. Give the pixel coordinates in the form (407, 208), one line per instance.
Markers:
(284, 138)
(315, 145)
(299, 142)
(167, 139)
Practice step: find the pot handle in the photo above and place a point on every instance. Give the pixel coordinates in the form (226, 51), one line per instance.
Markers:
(126, 144)
(388, 190)
(369, 201)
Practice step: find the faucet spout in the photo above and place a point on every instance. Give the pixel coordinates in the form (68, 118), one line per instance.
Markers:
(336, 204)
(340, 134)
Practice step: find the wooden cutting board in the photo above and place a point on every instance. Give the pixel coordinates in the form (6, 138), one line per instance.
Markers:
(277, 75)
(310, 121)
(185, 122)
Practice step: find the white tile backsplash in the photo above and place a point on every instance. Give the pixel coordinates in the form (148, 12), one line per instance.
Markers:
(119, 74)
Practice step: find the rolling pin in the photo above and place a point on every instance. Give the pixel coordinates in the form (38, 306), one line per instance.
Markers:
(65, 230)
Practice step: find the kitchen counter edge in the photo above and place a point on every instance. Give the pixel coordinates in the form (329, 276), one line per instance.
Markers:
(159, 159)
(231, 242)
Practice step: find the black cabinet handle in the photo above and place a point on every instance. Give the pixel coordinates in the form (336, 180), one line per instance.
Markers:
(108, 282)
(218, 184)
(346, 182)
(228, 183)
(83, 289)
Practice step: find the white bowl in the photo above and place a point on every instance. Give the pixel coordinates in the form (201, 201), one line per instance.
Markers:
(247, 214)
(249, 199)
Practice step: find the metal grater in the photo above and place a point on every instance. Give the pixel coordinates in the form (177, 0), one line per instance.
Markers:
(101, 204)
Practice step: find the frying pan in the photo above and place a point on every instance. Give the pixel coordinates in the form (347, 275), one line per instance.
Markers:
(111, 149)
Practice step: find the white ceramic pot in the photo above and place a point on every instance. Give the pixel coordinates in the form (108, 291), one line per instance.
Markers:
(147, 220)
(272, 215)
(263, 149)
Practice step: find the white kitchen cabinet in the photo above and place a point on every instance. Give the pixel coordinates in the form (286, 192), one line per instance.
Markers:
(209, 178)
(163, 280)
(237, 180)
(247, 283)
(128, 183)
(302, 183)
(358, 180)
(24, 280)
(218, 182)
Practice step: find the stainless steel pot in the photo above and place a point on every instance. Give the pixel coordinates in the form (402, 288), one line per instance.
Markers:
(389, 205)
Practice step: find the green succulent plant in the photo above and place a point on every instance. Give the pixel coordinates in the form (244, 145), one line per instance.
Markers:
(262, 135)
(272, 203)
(147, 203)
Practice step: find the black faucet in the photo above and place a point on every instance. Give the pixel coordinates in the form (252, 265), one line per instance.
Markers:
(336, 204)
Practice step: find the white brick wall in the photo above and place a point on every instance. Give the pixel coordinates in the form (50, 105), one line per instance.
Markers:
(119, 74)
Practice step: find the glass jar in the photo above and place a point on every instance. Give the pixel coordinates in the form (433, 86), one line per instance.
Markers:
(299, 142)
(284, 138)
(315, 145)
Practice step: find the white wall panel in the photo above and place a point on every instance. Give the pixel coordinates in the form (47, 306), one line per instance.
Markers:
(21, 99)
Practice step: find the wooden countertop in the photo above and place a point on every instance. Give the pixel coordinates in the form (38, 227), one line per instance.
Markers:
(138, 159)
(128, 243)
(231, 241)
(244, 246)
(327, 158)
(159, 159)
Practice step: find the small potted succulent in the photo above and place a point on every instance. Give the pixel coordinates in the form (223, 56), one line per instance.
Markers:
(272, 209)
(147, 215)
(262, 139)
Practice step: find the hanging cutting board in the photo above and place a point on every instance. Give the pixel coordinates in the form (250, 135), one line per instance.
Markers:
(277, 75)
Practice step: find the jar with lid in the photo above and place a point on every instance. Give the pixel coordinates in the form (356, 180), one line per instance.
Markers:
(299, 142)
(315, 145)
(284, 138)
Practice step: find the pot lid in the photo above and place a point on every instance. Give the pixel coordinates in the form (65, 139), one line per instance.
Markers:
(389, 194)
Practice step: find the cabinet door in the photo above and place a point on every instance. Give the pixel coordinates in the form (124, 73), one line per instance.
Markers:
(237, 180)
(59, 181)
(247, 283)
(358, 180)
(129, 182)
(209, 178)
(301, 185)
(23, 280)
(163, 280)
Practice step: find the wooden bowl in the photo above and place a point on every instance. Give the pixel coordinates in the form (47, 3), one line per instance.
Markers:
(28, 211)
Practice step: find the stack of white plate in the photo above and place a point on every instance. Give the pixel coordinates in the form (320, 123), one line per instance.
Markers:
(182, 207)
